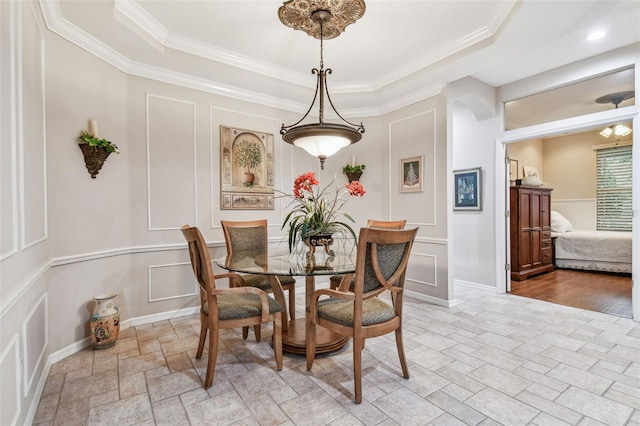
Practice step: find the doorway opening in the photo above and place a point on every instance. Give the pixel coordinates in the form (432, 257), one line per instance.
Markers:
(558, 250)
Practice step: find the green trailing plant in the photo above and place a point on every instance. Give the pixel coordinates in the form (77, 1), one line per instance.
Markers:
(94, 141)
(353, 169)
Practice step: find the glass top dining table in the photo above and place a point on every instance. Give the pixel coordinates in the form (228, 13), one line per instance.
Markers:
(274, 263)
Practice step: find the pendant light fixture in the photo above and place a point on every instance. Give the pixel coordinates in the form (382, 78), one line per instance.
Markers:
(321, 19)
(615, 98)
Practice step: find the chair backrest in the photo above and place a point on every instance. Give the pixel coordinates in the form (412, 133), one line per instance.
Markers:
(200, 261)
(245, 235)
(386, 224)
(382, 259)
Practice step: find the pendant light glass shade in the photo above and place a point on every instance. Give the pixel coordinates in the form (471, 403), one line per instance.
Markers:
(322, 146)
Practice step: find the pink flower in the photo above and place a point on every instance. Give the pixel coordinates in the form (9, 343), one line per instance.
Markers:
(304, 182)
(355, 188)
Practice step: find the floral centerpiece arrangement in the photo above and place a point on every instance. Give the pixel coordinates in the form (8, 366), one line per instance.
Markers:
(317, 211)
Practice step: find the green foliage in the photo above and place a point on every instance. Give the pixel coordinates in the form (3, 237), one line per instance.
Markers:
(248, 155)
(352, 169)
(313, 215)
(93, 141)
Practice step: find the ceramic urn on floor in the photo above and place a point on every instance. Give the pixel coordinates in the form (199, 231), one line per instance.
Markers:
(105, 322)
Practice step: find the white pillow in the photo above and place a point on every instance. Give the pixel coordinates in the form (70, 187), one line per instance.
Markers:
(560, 223)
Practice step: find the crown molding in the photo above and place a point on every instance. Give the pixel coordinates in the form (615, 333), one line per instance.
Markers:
(142, 23)
(138, 16)
(213, 53)
(56, 23)
(157, 34)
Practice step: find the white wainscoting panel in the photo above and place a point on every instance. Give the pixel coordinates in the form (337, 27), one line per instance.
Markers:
(411, 137)
(31, 128)
(171, 162)
(35, 335)
(171, 281)
(8, 147)
(422, 270)
(10, 378)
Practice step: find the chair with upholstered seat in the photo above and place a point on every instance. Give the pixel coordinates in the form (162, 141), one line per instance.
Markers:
(334, 280)
(381, 264)
(224, 308)
(242, 236)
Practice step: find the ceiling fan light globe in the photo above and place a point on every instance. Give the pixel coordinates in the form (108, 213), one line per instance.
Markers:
(606, 132)
(621, 130)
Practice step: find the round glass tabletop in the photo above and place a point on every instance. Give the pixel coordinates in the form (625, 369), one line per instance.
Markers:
(342, 261)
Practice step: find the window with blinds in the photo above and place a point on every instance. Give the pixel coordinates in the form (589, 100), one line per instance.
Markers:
(613, 188)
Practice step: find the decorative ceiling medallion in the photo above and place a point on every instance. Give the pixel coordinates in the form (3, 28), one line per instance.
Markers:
(297, 14)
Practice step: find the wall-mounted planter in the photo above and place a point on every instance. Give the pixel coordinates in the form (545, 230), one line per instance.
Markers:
(94, 157)
(353, 176)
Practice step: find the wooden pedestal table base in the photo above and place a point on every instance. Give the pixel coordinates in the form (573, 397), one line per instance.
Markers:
(294, 332)
(293, 340)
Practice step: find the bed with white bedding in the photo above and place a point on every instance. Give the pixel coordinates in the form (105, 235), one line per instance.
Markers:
(608, 251)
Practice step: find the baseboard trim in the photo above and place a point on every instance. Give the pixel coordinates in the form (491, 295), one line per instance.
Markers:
(477, 286)
(82, 344)
(426, 298)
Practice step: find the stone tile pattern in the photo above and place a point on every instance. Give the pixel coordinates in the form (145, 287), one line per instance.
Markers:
(490, 359)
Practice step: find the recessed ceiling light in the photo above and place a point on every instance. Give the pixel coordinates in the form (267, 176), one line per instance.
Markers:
(596, 35)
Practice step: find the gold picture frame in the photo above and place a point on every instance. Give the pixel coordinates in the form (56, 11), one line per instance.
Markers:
(411, 174)
(246, 169)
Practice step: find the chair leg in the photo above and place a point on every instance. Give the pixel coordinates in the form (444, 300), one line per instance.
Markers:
(403, 361)
(357, 369)
(292, 302)
(213, 356)
(277, 340)
(245, 332)
(256, 330)
(310, 342)
(203, 336)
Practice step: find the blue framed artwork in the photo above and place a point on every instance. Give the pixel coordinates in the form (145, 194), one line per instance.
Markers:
(467, 186)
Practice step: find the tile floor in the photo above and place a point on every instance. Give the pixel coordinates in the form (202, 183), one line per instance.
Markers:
(491, 359)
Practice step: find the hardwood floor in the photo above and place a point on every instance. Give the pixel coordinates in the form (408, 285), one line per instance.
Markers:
(594, 291)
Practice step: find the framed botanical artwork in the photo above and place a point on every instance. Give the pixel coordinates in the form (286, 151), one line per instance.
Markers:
(246, 169)
(411, 174)
(467, 186)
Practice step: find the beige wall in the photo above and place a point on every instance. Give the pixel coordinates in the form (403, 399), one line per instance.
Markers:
(568, 165)
(528, 153)
(119, 233)
(419, 130)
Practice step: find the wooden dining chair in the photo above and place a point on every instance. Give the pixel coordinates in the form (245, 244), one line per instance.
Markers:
(334, 280)
(381, 264)
(251, 236)
(224, 308)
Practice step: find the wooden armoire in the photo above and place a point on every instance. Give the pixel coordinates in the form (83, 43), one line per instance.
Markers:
(530, 219)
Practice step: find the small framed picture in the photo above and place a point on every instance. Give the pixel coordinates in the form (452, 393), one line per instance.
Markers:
(411, 179)
(467, 186)
(514, 173)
